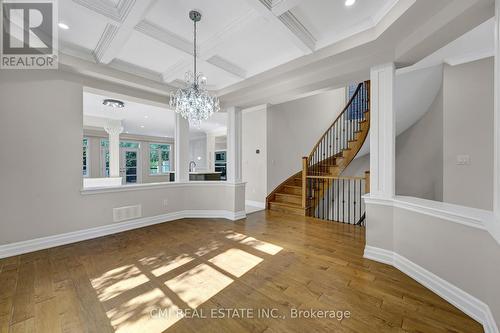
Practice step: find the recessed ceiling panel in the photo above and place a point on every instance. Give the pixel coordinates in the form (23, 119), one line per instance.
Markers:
(85, 26)
(172, 15)
(259, 46)
(147, 52)
(330, 20)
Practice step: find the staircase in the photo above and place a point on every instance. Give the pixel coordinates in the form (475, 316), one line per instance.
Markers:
(319, 189)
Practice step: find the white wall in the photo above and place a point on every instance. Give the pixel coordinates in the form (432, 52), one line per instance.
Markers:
(198, 149)
(419, 156)
(293, 128)
(254, 165)
(468, 130)
(41, 180)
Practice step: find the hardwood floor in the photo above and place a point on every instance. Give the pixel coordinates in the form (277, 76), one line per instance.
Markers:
(269, 262)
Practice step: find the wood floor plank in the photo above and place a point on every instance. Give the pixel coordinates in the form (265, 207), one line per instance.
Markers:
(271, 261)
(47, 317)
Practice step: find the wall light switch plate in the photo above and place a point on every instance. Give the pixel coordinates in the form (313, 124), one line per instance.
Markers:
(463, 160)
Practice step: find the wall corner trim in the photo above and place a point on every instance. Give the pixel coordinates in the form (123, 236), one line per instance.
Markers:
(12, 249)
(475, 308)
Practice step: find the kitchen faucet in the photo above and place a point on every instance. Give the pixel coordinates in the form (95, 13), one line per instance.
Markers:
(192, 166)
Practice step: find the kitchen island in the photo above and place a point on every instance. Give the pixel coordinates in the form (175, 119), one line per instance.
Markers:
(204, 176)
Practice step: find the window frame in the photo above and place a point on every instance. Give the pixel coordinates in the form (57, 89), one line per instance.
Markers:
(102, 149)
(160, 160)
(86, 148)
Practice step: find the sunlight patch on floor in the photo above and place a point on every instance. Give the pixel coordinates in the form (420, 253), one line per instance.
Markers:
(118, 280)
(253, 242)
(135, 315)
(212, 246)
(261, 245)
(198, 285)
(236, 262)
(235, 236)
(130, 293)
(163, 267)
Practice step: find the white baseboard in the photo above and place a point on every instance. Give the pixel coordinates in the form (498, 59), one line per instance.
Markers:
(36, 244)
(257, 204)
(473, 307)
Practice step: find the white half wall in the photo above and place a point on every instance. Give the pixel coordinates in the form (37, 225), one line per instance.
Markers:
(41, 177)
(445, 247)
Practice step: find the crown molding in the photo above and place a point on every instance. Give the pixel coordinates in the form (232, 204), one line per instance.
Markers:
(279, 7)
(106, 8)
(105, 41)
(298, 29)
(288, 24)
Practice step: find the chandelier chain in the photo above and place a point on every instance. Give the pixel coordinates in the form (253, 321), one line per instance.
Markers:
(194, 102)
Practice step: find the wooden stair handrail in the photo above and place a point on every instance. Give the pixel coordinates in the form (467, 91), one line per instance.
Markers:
(351, 100)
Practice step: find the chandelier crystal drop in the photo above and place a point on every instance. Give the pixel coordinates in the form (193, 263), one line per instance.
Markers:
(194, 102)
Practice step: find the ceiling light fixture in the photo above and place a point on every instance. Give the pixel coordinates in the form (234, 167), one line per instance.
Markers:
(349, 3)
(194, 102)
(114, 103)
(63, 26)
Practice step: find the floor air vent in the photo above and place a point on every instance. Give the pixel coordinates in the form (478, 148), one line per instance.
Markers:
(127, 213)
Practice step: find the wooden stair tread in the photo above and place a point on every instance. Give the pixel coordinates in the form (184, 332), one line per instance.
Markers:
(286, 204)
(289, 195)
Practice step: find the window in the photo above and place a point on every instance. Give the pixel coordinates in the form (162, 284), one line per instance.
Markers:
(105, 153)
(159, 159)
(85, 157)
(355, 109)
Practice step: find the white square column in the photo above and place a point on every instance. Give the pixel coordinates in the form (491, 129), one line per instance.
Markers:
(114, 132)
(382, 132)
(181, 149)
(234, 147)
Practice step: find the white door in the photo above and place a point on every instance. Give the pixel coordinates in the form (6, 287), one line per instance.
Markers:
(130, 165)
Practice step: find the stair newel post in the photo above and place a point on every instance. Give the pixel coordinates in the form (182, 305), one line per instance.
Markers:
(367, 182)
(304, 181)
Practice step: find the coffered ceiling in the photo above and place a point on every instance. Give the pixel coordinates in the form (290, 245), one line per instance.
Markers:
(238, 39)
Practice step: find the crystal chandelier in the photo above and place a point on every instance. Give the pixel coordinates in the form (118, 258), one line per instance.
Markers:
(194, 102)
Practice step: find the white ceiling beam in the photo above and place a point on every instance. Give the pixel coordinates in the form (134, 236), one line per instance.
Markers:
(171, 39)
(288, 24)
(279, 7)
(227, 66)
(117, 34)
(103, 72)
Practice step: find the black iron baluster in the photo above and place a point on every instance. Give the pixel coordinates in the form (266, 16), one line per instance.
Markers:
(348, 201)
(355, 199)
(343, 200)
